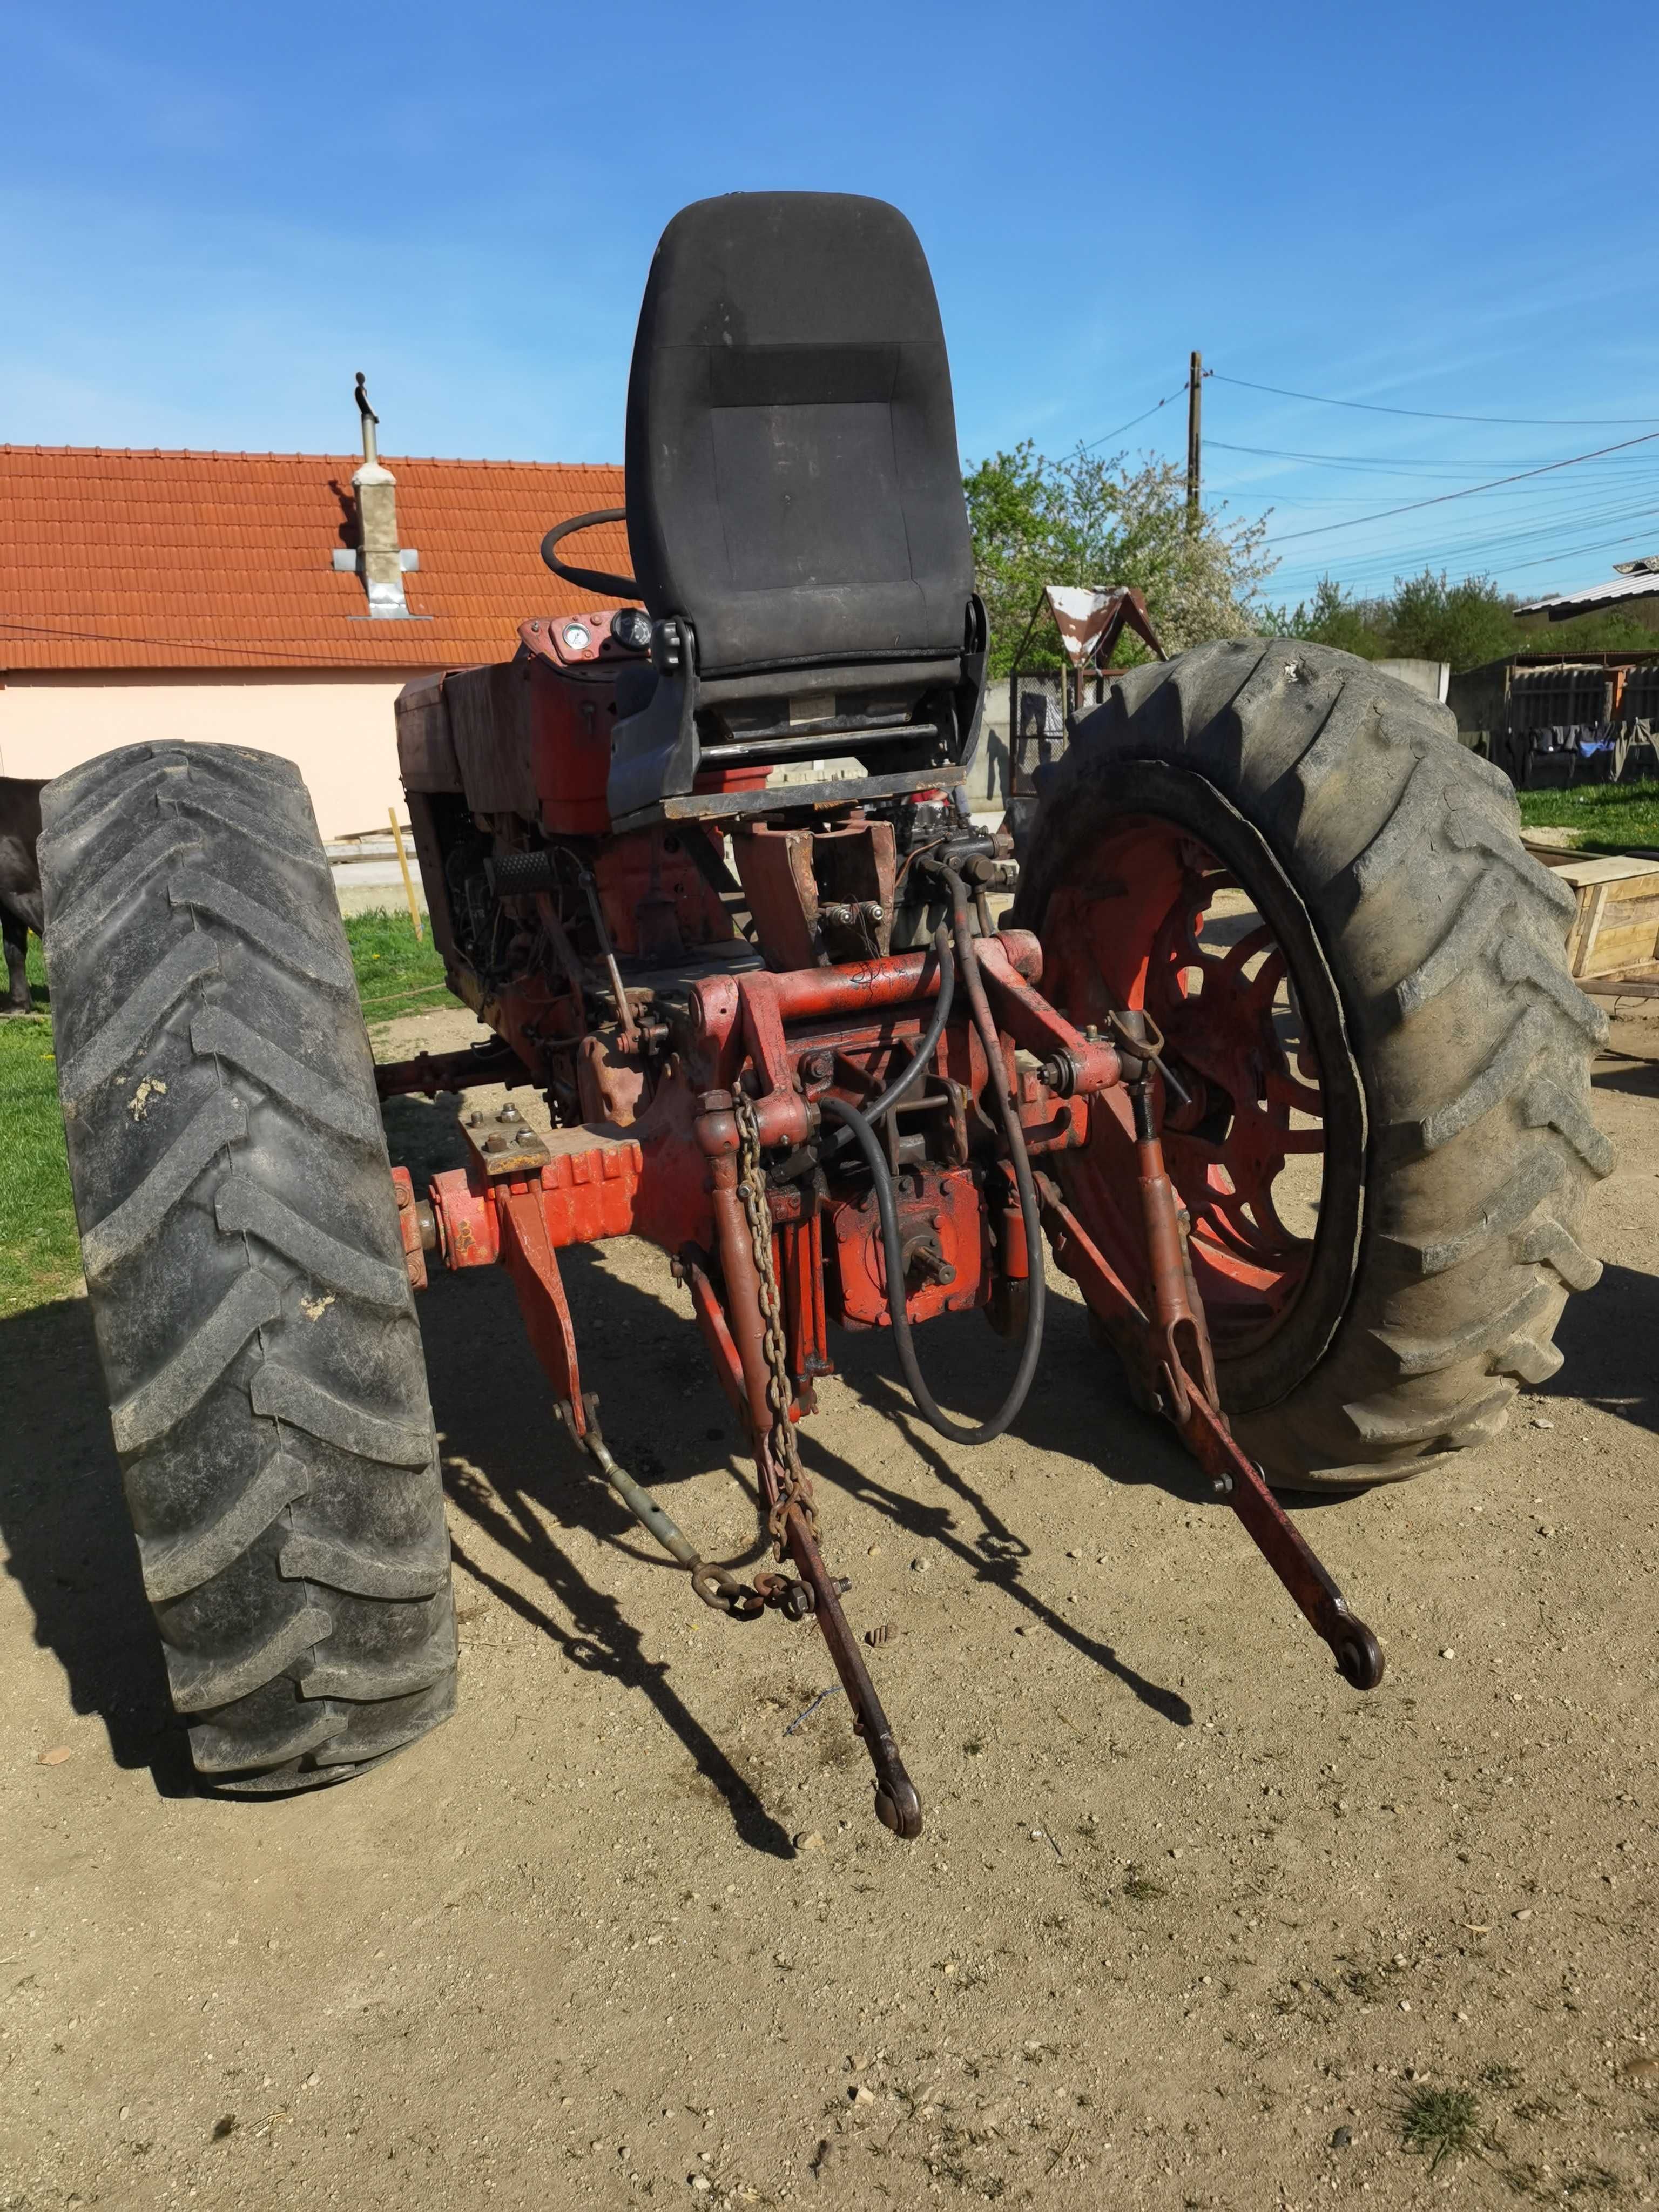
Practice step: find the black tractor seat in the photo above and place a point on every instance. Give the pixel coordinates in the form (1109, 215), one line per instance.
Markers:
(795, 514)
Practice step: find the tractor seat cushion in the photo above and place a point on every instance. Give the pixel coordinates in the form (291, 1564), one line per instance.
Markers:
(793, 485)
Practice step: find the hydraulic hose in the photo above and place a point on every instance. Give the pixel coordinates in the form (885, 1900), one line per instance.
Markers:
(927, 1044)
(863, 1132)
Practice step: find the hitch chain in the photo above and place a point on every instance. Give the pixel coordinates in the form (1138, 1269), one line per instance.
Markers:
(794, 1485)
(778, 1458)
(716, 1586)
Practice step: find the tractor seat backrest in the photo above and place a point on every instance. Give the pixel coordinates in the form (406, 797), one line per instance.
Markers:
(794, 488)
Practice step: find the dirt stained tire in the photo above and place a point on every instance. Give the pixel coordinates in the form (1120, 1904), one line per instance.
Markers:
(1426, 945)
(240, 1237)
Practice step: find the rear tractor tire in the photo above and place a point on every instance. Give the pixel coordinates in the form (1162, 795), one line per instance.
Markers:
(240, 1237)
(1324, 900)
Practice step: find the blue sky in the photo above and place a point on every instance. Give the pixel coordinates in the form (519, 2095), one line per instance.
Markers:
(210, 216)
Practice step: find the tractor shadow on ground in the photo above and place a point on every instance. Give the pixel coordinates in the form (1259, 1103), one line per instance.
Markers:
(1080, 1409)
(994, 1556)
(1636, 1072)
(1599, 1336)
(1069, 1413)
(1603, 1332)
(69, 1541)
(507, 1463)
(423, 1135)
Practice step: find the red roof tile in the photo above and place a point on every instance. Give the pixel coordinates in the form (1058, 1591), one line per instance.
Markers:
(159, 560)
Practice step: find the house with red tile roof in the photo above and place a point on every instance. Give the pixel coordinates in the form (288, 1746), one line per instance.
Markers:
(277, 600)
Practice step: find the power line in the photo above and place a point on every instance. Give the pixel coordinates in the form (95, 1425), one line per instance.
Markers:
(249, 650)
(1502, 535)
(1574, 552)
(1564, 498)
(1498, 542)
(1430, 414)
(1565, 505)
(1134, 419)
(1369, 464)
(1440, 499)
(1362, 461)
(1371, 574)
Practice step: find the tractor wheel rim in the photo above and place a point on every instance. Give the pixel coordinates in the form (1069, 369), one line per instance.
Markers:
(1166, 925)
(1247, 1153)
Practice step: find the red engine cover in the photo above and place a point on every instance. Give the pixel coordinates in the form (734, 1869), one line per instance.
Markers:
(572, 711)
(571, 719)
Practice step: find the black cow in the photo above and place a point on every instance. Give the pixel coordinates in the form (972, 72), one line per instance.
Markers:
(20, 883)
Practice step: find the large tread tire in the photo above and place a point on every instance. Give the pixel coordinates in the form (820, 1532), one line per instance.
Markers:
(240, 1237)
(1446, 940)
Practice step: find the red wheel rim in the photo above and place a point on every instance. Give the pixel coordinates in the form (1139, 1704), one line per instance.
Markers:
(1157, 922)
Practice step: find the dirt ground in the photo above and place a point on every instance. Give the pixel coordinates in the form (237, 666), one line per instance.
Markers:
(1191, 1924)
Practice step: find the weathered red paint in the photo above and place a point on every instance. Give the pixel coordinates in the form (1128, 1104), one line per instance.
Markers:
(790, 876)
(466, 1220)
(800, 1248)
(861, 988)
(1032, 1022)
(1129, 936)
(737, 1259)
(588, 1190)
(533, 1265)
(946, 1213)
(430, 1074)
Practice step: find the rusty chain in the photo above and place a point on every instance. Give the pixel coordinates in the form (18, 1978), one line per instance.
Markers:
(793, 1484)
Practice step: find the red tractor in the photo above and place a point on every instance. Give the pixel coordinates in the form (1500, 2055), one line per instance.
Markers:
(1275, 1053)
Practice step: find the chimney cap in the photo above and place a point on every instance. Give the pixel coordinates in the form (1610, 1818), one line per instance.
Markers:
(371, 448)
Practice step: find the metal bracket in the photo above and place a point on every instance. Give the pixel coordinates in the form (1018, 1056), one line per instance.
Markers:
(503, 1142)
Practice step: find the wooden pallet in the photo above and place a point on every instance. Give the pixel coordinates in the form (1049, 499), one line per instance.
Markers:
(1613, 945)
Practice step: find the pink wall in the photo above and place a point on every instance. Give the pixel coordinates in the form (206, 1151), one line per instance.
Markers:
(337, 728)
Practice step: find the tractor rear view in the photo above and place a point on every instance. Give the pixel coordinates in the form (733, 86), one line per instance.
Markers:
(1275, 1053)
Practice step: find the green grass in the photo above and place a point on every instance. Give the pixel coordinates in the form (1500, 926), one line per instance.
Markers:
(39, 1254)
(395, 974)
(39, 1257)
(1608, 818)
(1443, 2122)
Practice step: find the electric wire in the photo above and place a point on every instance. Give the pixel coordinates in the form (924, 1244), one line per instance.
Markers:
(1441, 498)
(1489, 545)
(1434, 415)
(1109, 434)
(251, 651)
(1378, 464)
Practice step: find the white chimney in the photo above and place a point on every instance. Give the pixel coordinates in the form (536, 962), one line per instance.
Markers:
(378, 558)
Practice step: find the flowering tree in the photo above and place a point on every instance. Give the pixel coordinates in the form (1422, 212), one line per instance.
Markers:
(1094, 519)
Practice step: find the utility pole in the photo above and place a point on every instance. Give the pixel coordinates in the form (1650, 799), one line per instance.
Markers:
(1194, 441)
